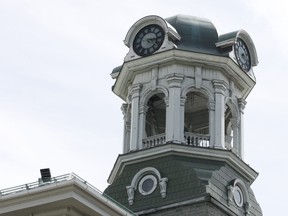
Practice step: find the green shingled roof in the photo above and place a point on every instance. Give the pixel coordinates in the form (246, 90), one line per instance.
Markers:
(188, 179)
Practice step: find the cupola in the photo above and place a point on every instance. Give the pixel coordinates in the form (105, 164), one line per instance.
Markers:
(183, 83)
(184, 89)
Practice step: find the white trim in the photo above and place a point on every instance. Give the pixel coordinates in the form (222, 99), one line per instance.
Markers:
(222, 64)
(182, 150)
(147, 171)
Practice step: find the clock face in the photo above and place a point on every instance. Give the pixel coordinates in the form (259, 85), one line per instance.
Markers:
(242, 55)
(148, 40)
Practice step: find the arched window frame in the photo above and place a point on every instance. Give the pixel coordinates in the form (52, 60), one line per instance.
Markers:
(210, 106)
(145, 97)
(234, 125)
(232, 189)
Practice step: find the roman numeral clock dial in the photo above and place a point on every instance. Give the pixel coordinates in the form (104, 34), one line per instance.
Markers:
(242, 55)
(148, 40)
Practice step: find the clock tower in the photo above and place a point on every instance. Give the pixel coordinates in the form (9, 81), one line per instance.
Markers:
(184, 89)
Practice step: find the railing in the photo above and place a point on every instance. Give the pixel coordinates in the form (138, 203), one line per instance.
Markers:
(55, 180)
(200, 140)
(40, 183)
(155, 140)
(191, 139)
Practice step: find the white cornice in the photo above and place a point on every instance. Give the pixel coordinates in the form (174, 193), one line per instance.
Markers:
(223, 64)
(186, 151)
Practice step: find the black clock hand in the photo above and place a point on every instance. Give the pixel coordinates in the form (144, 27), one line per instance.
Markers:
(151, 40)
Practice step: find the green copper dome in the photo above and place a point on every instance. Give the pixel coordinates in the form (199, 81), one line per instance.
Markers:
(197, 34)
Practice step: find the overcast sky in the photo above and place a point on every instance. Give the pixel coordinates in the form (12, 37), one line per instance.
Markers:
(56, 105)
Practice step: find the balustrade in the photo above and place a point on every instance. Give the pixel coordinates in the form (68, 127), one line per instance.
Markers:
(201, 140)
(191, 139)
(155, 140)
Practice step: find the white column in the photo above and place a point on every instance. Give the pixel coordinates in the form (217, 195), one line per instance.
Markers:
(142, 121)
(241, 104)
(235, 123)
(135, 94)
(126, 134)
(182, 118)
(173, 133)
(219, 125)
(166, 99)
(211, 108)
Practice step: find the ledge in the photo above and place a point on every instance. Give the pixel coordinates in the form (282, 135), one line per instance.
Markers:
(186, 151)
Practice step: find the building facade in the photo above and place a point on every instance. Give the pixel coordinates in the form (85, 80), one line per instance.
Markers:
(185, 90)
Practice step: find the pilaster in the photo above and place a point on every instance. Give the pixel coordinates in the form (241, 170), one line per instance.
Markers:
(135, 94)
(182, 117)
(142, 118)
(211, 108)
(241, 104)
(219, 124)
(127, 126)
(235, 124)
(173, 132)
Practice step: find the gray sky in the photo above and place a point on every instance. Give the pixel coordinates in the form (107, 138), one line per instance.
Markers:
(56, 105)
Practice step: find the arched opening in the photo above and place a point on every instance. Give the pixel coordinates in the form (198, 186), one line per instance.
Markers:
(155, 121)
(196, 120)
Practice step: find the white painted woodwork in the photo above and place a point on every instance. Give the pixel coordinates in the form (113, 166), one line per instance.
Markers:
(174, 74)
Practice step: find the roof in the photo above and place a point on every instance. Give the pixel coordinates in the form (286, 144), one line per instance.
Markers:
(197, 34)
(66, 193)
(191, 178)
(193, 38)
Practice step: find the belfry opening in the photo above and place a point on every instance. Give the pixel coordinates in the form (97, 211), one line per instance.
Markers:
(156, 115)
(196, 119)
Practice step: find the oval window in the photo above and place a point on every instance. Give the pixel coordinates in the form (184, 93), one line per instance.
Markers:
(147, 184)
(238, 196)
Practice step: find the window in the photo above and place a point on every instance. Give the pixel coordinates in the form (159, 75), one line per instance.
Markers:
(147, 184)
(238, 196)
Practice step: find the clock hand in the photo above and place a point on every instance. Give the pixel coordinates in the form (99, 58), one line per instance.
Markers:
(151, 40)
(245, 57)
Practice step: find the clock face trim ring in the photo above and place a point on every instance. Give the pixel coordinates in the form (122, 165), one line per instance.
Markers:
(242, 55)
(148, 40)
